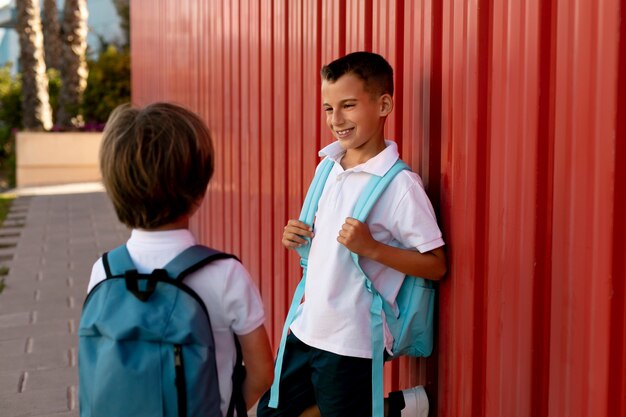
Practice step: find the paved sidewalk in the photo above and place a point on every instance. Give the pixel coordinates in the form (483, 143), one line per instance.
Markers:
(49, 243)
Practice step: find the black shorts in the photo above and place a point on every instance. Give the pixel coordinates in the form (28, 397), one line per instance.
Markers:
(341, 386)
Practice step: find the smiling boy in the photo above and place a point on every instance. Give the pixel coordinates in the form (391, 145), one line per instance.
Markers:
(327, 360)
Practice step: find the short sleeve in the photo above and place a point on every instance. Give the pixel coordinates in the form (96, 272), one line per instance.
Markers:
(243, 307)
(97, 275)
(414, 221)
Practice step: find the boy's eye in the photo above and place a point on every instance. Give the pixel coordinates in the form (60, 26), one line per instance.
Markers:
(347, 106)
(328, 110)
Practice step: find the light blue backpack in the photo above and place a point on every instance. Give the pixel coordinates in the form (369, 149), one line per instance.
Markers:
(146, 346)
(410, 320)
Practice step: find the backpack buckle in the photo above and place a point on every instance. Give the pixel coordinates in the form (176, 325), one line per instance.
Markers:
(149, 281)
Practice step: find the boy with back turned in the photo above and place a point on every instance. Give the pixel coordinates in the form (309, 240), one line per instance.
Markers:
(327, 365)
(156, 163)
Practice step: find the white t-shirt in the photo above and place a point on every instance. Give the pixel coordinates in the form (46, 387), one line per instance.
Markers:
(335, 315)
(232, 300)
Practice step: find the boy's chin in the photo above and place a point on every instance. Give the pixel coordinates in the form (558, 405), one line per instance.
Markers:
(346, 143)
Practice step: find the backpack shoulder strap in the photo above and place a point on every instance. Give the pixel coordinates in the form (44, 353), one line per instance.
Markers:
(237, 401)
(374, 188)
(307, 215)
(117, 262)
(309, 207)
(192, 259)
(368, 198)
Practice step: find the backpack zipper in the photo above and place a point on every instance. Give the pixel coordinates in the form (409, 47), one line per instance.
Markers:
(181, 389)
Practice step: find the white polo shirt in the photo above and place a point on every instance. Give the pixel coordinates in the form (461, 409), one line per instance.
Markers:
(231, 298)
(335, 315)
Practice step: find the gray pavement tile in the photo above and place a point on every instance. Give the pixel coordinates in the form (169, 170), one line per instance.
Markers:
(46, 359)
(33, 282)
(57, 296)
(8, 241)
(47, 313)
(54, 273)
(15, 346)
(11, 381)
(58, 342)
(13, 319)
(52, 327)
(23, 264)
(16, 300)
(73, 413)
(37, 402)
(46, 378)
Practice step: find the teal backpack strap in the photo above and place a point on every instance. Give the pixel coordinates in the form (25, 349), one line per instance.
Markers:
(117, 262)
(307, 215)
(309, 207)
(192, 259)
(374, 188)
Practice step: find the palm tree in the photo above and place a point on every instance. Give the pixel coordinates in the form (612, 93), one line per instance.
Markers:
(52, 34)
(74, 63)
(35, 99)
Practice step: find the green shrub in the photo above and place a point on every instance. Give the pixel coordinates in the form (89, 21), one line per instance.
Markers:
(54, 88)
(10, 99)
(108, 85)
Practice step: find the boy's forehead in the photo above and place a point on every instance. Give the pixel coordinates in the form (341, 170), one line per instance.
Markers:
(346, 85)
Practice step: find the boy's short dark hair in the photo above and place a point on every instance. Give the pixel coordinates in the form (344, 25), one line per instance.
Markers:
(156, 163)
(373, 69)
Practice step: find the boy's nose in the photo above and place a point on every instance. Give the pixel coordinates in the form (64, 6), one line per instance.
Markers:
(337, 118)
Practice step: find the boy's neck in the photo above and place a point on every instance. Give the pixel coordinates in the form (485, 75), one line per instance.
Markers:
(358, 156)
(181, 223)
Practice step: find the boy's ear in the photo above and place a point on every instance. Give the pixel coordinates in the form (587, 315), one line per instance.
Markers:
(386, 104)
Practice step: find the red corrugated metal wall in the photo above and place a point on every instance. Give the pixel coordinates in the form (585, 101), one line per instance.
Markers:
(513, 112)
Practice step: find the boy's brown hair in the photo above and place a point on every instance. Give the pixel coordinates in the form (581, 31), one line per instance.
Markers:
(156, 163)
(373, 69)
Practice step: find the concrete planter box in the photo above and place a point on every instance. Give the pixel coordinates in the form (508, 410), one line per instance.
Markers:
(46, 158)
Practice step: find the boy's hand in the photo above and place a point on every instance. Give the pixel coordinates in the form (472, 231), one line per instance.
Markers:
(294, 233)
(356, 236)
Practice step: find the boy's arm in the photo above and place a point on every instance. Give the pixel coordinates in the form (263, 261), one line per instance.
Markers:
(356, 236)
(257, 356)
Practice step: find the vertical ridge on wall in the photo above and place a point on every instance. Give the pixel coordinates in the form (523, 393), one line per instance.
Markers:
(267, 146)
(281, 169)
(543, 225)
(478, 54)
(295, 131)
(332, 46)
(583, 185)
(602, 106)
(617, 384)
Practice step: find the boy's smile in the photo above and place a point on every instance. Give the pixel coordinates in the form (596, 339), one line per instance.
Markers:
(355, 116)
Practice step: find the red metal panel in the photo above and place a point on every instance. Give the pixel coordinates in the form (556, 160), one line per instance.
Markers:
(514, 114)
(358, 25)
(511, 182)
(333, 45)
(281, 154)
(459, 140)
(294, 146)
(269, 244)
(583, 190)
(617, 357)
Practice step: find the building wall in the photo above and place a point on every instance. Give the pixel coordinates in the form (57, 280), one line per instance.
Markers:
(514, 114)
